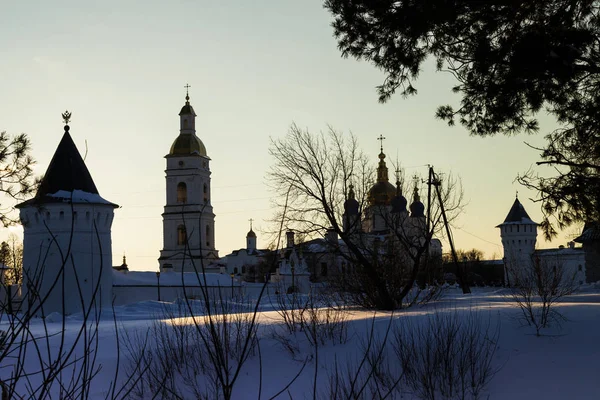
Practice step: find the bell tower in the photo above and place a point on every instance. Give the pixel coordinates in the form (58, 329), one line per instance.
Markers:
(188, 217)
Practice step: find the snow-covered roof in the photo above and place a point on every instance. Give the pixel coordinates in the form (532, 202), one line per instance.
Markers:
(149, 278)
(79, 196)
(67, 178)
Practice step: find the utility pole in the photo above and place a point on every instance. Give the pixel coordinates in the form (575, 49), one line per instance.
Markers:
(460, 275)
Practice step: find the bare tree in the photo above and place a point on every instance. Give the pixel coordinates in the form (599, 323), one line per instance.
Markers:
(314, 174)
(537, 287)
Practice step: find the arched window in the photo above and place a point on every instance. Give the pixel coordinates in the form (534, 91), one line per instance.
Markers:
(181, 235)
(205, 193)
(207, 235)
(181, 192)
(243, 269)
(61, 215)
(517, 228)
(235, 270)
(185, 123)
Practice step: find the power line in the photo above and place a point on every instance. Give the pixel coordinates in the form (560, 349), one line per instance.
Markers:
(480, 238)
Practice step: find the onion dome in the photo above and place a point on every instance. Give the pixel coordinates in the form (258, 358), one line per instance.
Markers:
(383, 191)
(187, 143)
(417, 209)
(351, 206)
(399, 202)
(251, 233)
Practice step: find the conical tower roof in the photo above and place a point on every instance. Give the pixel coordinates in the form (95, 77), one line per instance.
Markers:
(67, 178)
(517, 215)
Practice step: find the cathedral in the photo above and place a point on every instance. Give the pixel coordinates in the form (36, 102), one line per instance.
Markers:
(188, 217)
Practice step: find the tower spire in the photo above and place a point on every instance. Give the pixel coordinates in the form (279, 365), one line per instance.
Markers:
(187, 93)
(382, 171)
(416, 189)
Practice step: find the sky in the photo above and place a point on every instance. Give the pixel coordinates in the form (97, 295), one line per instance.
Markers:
(254, 68)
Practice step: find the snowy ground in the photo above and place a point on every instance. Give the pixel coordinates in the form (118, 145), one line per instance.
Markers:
(563, 364)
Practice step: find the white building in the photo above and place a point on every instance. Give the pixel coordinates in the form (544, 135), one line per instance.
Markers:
(67, 255)
(188, 218)
(519, 238)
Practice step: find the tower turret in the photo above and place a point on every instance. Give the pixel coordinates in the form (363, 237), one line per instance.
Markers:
(67, 256)
(251, 239)
(519, 235)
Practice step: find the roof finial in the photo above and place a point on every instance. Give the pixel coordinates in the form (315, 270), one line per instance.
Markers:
(398, 182)
(124, 259)
(416, 190)
(381, 139)
(187, 92)
(517, 195)
(66, 118)
(250, 223)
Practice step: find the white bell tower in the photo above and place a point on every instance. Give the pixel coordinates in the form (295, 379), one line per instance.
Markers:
(188, 218)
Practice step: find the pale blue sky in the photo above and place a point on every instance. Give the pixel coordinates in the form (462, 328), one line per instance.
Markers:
(254, 67)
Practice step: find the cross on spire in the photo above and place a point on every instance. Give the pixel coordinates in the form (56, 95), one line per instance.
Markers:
(381, 139)
(187, 91)
(251, 220)
(397, 171)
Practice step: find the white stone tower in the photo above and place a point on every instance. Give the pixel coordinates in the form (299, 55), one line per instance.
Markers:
(519, 234)
(188, 218)
(67, 255)
(251, 240)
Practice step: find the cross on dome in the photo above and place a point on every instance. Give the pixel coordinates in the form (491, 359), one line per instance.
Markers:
(187, 92)
(381, 138)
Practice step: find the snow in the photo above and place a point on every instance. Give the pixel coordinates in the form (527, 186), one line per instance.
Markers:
(79, 196)
(563, 364)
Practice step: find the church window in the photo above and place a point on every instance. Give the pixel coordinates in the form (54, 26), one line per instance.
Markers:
(323, 269)
(87, 215)
(243, 269)
(61, 216)
(181, 235)
(235, 270)
(580, 267)
(47, 215)
(185, 123)
(37, 217)
(517, 228)
(205, 193)
(181, 192)
(207, 235)
(74, 215)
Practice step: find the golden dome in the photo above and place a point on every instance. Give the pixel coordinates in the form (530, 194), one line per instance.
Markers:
(381, 193)
(187, 144)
